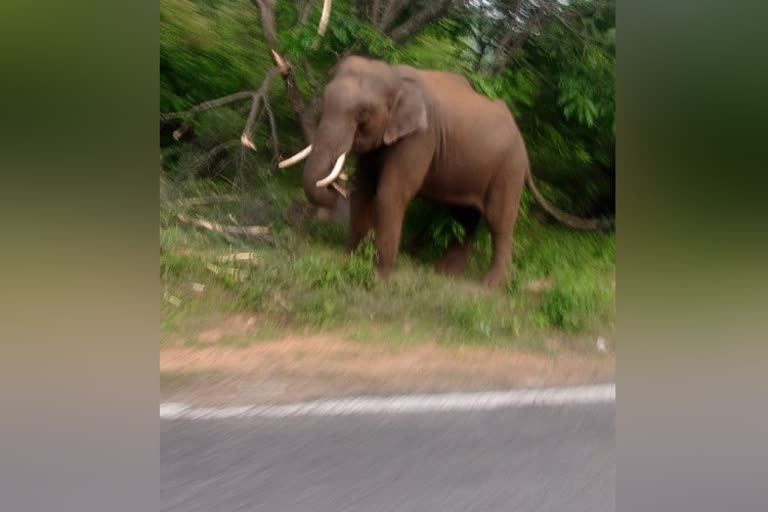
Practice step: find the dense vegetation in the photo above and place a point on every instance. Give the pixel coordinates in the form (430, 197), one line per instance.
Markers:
(552, 62)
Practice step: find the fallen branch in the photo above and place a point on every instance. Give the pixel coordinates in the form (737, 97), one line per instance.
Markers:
(238, 257)
(196, 201)
(172, 299)
(235, 273)
(220, 228)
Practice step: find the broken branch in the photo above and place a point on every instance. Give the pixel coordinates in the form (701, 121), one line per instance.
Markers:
(321, 28)
(206, 105)
(273, 130)
(259, 96)
(324, 16)
(196, 201)
(294, 96)
(238, 257)
(234, 273)
(220, 228)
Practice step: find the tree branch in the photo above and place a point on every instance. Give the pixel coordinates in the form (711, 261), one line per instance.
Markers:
(304, 12)
(419, 20)
(294, 96)
(325, 15)
(273, 129)
(258, 96)
(393, 10)
(267, 11)
(374, 14)
(206, 105)
(500, 54)
(311, 75)
(516, 37)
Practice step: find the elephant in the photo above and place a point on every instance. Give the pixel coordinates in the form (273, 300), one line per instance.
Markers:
(425, 133)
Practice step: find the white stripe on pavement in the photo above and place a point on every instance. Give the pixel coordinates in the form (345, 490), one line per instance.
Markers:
(404, 404)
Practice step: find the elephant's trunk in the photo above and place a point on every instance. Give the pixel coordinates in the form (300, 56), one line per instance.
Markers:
(319, 173)
(325, 161)
(316, 186)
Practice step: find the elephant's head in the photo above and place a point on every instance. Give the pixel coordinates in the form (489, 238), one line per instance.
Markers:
(368, 104)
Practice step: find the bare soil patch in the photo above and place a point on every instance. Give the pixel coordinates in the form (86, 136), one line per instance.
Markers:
(304, 367)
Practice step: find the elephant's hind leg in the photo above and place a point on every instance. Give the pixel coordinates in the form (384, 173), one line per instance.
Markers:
(501, 210)
(456, 258)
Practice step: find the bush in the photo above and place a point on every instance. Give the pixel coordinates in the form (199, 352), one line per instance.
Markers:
(575, 301)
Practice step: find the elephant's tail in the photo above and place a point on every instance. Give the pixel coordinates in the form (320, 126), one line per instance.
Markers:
(565, 218)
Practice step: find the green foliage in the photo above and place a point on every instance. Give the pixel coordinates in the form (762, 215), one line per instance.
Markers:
(473, 317)
(323, 271)
(570, 127)
(205, 52)
(347, 30)
(575, 300)
(559, 83)
(581, 267)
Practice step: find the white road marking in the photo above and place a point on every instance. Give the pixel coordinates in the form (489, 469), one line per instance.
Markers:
(484, 401)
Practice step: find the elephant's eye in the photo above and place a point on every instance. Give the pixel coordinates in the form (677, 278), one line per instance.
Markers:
(363, 115)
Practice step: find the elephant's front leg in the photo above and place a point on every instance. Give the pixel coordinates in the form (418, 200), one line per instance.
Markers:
(402, 174)
(362, 212)
(390, 212)
(396, 190)
(361, 216)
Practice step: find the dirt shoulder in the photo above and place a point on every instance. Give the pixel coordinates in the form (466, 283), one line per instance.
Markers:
(296, 368)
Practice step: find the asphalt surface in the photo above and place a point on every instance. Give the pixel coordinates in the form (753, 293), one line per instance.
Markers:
(526, 459)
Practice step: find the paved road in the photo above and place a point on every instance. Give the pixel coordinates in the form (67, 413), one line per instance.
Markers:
(527, 459)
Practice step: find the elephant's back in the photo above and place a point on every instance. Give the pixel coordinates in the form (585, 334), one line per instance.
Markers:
(469, 118)
(460, 105)
(478, 132)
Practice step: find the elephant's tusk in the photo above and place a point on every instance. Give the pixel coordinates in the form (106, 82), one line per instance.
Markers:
(341, 190)
(334, 173)
(298, 157)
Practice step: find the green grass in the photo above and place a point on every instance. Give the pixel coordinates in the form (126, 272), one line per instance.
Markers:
(305, 280)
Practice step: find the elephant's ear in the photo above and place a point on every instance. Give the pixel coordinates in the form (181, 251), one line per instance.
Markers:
(408, 114)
